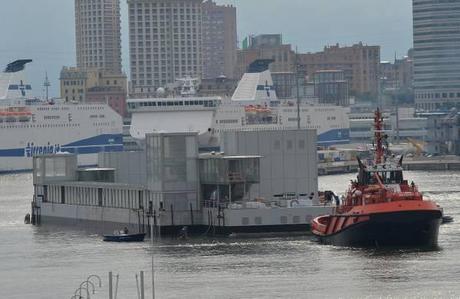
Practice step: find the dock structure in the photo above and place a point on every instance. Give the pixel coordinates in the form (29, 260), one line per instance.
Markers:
(426, 164)
(265, 181)
(433, 164)
(337, 167)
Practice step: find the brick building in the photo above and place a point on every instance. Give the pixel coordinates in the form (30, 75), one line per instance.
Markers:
(360, 64)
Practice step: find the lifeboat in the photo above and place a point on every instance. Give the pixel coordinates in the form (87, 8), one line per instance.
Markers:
(10, 116)
(14, 114)
(381, 208)
(256, 109)
(250, 109)
(24, 116)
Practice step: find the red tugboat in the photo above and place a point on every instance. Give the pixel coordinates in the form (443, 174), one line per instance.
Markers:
(380, 207)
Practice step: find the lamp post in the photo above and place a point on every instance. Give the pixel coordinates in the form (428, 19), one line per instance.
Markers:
(88, 283)
(79, 292)
(151, 248)
(95, 276)
(85, 286)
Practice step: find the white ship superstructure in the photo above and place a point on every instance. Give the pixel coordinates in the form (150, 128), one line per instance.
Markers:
(253, 106)
(30, 127)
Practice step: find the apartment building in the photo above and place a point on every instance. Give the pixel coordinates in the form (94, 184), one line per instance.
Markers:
(98, 34)
(165, 43)
(360, 64)
(219, 40)
(436, 54)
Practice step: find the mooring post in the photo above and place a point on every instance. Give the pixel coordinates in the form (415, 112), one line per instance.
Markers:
(110, 285)
(191, 213)
(142, 285)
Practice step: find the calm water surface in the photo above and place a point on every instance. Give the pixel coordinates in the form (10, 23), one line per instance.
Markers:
(46, 262)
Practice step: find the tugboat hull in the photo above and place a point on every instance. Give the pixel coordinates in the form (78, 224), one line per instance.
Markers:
(402, 228)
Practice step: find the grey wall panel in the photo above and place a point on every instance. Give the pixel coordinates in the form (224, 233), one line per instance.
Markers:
(290, 184)
(265, 146)
(230, 146)
(277, 167)
(265, 168)
(289, 162)
(291, 166)
(129, 166)
(301, 165)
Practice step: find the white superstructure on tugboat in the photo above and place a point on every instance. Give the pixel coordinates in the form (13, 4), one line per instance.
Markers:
(30, 126)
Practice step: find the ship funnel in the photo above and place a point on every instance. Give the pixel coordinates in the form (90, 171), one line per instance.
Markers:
(12, 80)
(17, 66)
(256, 86)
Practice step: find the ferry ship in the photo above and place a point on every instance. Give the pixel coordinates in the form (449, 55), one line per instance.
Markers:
(30, 126)
(253, 106)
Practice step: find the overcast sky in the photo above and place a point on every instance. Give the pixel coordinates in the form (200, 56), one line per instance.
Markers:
(43, 30)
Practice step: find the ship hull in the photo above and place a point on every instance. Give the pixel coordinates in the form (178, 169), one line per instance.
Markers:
(84, 129)
(402, 228)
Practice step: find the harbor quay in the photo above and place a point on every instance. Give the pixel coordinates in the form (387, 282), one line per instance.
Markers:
(435, 163)
(422, 164)
(262, 181)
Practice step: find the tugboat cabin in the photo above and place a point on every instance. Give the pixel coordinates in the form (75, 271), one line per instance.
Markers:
(388, 175)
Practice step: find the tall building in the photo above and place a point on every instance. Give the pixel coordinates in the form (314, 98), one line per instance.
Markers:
(98, 34)
(74, 83)
(331, 87)
(219, 40)
(360, 63)
(265, 41)
(286, 87)
(165, 43)
(436, 53)
(397, 75)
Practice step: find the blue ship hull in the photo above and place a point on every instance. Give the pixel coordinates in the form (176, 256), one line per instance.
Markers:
(125, 238)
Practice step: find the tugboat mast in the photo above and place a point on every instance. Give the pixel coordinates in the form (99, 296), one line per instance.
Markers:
(378, 136)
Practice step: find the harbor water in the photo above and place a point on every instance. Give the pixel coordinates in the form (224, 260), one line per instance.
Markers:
(51, 262)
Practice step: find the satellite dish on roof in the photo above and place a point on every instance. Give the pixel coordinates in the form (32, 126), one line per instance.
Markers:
(160, 92)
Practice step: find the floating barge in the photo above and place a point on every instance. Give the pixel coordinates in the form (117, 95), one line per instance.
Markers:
(265, 182)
